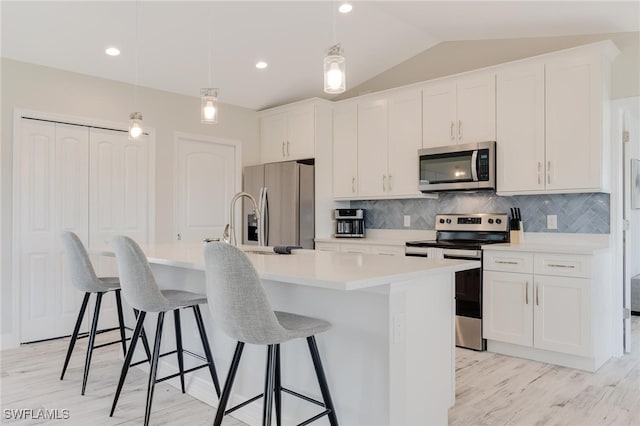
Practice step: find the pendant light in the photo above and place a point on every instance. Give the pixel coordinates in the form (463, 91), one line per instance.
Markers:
(135, 118)
(334, 65)
(209, 96)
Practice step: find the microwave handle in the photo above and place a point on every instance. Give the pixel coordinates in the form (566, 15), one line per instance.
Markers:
(474, 165)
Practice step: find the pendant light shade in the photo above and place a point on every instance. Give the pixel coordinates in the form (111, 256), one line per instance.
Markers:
(135, 125)
(209, 106)
(334, 70)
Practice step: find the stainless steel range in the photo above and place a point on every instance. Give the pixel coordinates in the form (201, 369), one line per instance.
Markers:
(461, 236)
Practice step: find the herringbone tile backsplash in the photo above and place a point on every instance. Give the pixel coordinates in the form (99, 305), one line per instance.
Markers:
(577, 213)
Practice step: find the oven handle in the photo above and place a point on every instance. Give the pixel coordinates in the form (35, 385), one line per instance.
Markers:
(446, 256)
(416, 254)
(474, 165)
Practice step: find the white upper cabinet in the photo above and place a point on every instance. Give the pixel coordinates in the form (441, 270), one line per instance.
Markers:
(459, 110)
(552, 120)
(372, 146)
(405, 139)
(574, 116)
(287, 133)
(345, 149)
(520, 128)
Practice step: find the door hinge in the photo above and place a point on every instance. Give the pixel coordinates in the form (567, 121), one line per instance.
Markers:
(625, 136)
(626, 313)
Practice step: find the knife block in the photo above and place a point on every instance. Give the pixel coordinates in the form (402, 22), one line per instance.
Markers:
(517, 237)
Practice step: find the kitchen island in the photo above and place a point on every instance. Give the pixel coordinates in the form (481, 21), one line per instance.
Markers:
(389, 357)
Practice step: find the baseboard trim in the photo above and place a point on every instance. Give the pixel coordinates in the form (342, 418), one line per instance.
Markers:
(8, 341)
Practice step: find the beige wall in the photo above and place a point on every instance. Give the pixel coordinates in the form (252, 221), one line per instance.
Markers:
(50, 90)
(459, 56)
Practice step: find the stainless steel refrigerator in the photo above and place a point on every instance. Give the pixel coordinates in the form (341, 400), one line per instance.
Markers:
(285, 194)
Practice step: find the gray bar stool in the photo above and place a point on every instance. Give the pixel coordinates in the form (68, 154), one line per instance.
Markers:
(142, 292)
(84, 278)
(239, 304)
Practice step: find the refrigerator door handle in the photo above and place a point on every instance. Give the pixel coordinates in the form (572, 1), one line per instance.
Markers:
(264, 216)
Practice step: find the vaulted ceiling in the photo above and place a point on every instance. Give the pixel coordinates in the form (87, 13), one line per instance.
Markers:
(168, 46)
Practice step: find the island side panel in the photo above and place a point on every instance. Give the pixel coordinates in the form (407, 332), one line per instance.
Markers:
(422, 350)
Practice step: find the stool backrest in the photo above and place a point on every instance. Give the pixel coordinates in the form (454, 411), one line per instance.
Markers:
(81, 271)
(137, 282)
(236, 298)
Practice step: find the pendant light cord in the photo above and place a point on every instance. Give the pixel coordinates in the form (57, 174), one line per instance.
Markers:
(135, 88)
(210, 42)
(333, 11)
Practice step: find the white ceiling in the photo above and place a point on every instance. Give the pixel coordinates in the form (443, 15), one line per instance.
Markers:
(173, 38)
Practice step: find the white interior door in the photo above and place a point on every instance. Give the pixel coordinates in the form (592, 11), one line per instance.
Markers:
(53, 194)
(119, 199)
(206, 178)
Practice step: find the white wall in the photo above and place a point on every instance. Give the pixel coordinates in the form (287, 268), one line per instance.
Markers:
(51, 90)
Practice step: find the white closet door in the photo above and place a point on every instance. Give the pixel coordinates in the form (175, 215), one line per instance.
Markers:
(207, 177)
(53, 192)
(118, 199)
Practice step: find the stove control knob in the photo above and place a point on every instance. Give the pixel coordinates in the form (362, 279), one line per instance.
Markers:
(498, 221)
(441, 220)
(491, 221)
(448, 220)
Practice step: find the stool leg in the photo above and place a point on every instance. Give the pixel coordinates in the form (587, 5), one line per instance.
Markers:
(145, 342)
(228, 384)
(268, 386)
(74, 336)
(121, 322)
(322, 380)
(278, 388)
(92, 339)
(207, 348)
(176, 321)
(127, 360)
(154, 368)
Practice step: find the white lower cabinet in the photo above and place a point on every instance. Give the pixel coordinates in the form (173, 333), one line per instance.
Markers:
(352, 247)
(554, 315)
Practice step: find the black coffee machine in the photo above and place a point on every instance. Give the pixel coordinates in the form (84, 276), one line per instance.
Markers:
(349, 223)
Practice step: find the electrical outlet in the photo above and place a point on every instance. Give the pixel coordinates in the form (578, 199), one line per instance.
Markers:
(552, 221)
(407, 220)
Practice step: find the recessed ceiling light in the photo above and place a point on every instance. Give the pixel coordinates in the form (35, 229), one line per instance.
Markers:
(345, 8)
(112, 51)
(261, 65)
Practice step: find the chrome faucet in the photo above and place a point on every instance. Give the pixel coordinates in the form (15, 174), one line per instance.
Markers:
(229, 234)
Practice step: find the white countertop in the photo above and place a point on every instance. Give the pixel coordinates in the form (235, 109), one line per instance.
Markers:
(333, 270)
(384, 237)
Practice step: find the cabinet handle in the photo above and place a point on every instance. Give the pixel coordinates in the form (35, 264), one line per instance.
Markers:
(539, 172)
(389, 182)
(526, 293)
(453, 125)
(353, 185)
(384, 183)
(288, 154)
(459, 129)
(549, 172)
(537, 295)
(283, 148)
(558, 265)
(506, 262)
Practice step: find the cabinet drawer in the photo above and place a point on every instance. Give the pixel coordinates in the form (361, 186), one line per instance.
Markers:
(355, 248)
(508, 261)
(562, 265)
(388, 250)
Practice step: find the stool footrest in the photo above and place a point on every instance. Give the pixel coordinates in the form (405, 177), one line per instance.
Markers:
(190, 370)
(195, 355)
(242, 404)
(316, 417)
(106, 330)
(110, 343)
(306, 398)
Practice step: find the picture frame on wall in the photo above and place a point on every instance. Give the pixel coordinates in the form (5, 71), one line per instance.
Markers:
(635, 184)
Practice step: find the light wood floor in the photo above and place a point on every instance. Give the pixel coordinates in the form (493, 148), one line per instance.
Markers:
(491, 390)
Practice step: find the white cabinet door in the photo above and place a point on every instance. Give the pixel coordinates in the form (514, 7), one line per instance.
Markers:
(520, 128)
(345, 149)
(508, 307)
(372, 147)
(562, 315)
(405, 139)
(476, 109)
(273, 137)
(300, 133)
(439, 120)
(53, 196)
(574, 123)
(206, 180)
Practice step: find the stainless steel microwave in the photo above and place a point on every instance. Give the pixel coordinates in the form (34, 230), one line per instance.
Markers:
(458, 167)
